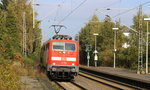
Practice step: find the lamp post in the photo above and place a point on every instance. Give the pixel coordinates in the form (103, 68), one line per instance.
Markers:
(147, 19)
(33, 11)
(126, 33)
(95, 51)
(115, 50)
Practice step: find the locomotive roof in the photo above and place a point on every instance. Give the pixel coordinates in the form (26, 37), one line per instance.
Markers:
(58, 40)
(60, 37)
(65, 37)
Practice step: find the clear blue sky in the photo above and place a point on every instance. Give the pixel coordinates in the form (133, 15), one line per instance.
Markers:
(52, 11)
(56, 10)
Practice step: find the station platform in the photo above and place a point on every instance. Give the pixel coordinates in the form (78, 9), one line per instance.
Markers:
(121, 72)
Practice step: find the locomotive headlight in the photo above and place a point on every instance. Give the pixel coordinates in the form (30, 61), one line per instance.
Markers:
(73, 64)
(54, 63)
(53, 69)
(73, 69)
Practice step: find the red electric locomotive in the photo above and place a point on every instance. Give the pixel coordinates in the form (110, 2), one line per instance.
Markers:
(60, 56)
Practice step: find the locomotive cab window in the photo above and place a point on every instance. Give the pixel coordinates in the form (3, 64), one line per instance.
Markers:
(60, 46)
(70, 46)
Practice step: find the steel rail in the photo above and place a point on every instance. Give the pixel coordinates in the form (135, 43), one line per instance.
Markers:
(109, 80)
(59, 85)
(79, 86)
(73, 83)
(115, 87)
(126, 81)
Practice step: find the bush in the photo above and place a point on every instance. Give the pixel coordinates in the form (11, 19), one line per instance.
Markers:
(28, 61)
(9, 80)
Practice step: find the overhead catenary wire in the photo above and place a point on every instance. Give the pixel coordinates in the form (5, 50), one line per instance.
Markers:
(75, 29)
(131, 9)
(114, 20)
(48, 15)
(52, 12)
(71, 4)
(125, 13)
(119, 10)
(112, 4)
(57, 12)
(72, 11)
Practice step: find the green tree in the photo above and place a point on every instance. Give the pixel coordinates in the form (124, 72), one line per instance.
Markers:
(104, 40)
(12, 28)
(3, 34)
(12, 40)
(86, 35)
(4, 4)
(106, 44)
(134, 40)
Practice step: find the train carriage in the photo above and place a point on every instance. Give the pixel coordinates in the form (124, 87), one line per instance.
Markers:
(60, 56)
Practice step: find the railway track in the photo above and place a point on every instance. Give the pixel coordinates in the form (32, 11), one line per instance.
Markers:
(106, 82)
(98, 83)
(69, 85)
(117, 81)
(94, 80)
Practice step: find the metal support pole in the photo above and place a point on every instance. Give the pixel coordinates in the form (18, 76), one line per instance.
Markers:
(24, 35)
(114, 60)
(140, 48)
(23, 42)
(95, 42)
(88, 58)
(147, 19)
(147, 50)
(95, 63)
(115, 49)
(33, 12)
(95, 53)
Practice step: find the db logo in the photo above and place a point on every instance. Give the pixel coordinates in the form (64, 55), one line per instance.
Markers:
(63, 58)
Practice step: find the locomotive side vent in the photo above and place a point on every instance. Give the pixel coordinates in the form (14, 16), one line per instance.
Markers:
(65, 37)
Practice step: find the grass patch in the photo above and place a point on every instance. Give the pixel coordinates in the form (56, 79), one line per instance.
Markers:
(42, 86)
(9, 79)
(28, 61)
(11, 71)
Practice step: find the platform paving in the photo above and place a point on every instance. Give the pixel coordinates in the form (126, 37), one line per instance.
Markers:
(121, 72)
